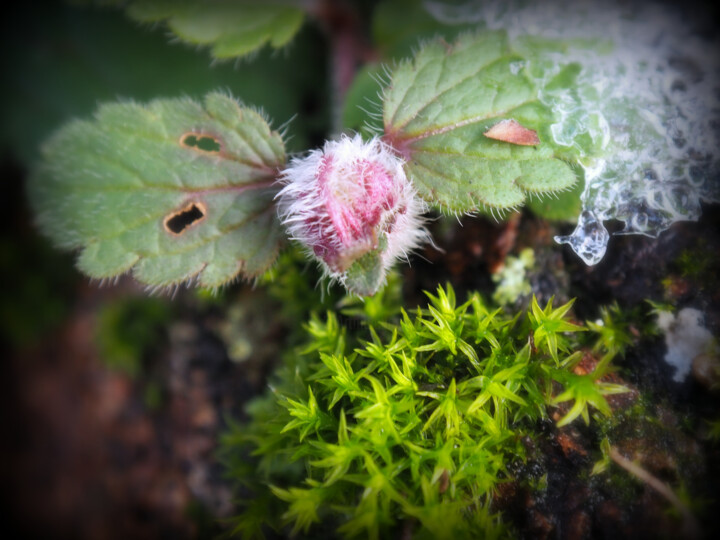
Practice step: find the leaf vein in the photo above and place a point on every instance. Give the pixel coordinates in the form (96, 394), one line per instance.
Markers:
(437, 96)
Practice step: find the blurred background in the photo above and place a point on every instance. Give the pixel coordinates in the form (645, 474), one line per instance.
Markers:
(113, 401)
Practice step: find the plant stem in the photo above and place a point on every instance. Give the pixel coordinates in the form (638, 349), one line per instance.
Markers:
(690, 524)
(348, 49)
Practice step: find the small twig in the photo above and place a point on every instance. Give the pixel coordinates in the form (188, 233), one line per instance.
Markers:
(690, 524)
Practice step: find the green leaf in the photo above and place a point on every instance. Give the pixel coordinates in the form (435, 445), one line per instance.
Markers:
(302, 511)
(366, 275)
(172, 191)
(549, 324)
(397, 28)
(448, 409)
(563, 206)
(73, 58)
(231, 28)
(307, 416)
(438, 108)
(585, 390)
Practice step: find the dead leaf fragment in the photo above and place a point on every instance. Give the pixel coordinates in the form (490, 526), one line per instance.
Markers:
(444, 481)
(511, 131)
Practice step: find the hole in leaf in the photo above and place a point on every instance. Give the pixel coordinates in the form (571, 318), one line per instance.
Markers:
(177, 222)
(203, 143)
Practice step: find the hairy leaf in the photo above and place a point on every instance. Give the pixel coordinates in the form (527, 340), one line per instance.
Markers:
(173, 190)
(230, 27)
(397, 27)
(437, 113)
(564, 206)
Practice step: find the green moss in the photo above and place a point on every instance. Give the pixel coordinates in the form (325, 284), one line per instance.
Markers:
(512, 278)
(371, 429)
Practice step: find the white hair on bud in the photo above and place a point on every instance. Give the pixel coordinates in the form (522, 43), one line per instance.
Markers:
(341, 201)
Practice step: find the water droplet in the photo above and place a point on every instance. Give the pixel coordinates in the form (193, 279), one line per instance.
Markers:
(589, 239)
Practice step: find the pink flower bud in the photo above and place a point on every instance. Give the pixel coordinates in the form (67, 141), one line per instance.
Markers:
(351, 203)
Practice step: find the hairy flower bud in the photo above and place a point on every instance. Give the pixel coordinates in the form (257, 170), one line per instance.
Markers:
(353, 207)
